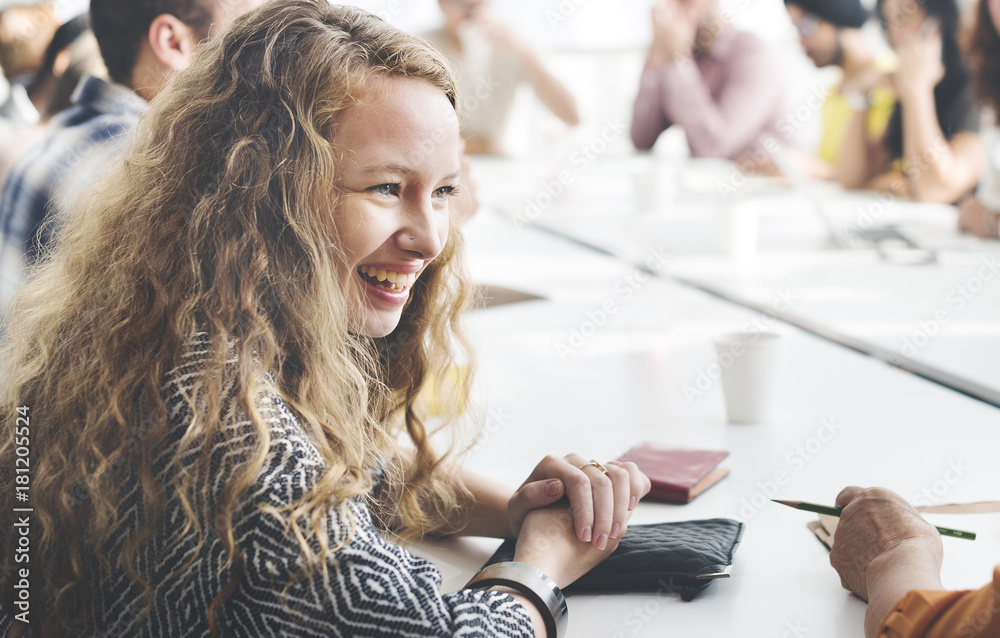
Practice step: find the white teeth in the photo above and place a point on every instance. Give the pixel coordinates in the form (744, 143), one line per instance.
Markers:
(391, 276)
(380, 275)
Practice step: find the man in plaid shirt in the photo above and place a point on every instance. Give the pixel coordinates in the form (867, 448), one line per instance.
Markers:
(144, 43)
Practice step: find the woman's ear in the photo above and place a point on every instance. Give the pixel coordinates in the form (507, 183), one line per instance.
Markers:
(172, 42)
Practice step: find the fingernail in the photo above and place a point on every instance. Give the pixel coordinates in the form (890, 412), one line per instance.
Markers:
(632, 502)
(587, 533)
(553, 487)
(602, 542)
(615, 529)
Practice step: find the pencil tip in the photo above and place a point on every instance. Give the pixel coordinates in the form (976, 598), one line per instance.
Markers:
(788, 503)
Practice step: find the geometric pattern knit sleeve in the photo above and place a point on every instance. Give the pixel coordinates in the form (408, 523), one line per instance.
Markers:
(370, 587)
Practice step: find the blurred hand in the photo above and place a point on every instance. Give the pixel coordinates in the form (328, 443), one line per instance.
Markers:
(547, 541)
(599, 505)
(972, 218)
(883, 543)
(675, 28)
(920, 65)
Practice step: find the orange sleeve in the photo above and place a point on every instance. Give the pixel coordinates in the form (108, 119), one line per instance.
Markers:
(940, 614)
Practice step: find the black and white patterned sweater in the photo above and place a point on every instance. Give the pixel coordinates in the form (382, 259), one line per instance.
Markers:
(374, 588)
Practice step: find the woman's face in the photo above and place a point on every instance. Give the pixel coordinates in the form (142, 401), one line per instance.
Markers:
(400, 165)
(458, 11)
(818, 37)
(902, 19)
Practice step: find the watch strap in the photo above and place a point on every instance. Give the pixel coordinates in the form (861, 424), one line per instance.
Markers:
(534, 585)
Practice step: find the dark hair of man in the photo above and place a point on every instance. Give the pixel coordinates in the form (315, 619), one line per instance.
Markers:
(984, 49)
(120, 27)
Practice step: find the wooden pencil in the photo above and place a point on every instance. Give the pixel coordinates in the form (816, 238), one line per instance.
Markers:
(835, 511)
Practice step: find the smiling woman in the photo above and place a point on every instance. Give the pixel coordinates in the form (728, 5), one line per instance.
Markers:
(401, 164)
(223, 357)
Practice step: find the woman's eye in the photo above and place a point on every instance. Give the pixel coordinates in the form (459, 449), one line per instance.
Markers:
(445, 192)
(386, 190)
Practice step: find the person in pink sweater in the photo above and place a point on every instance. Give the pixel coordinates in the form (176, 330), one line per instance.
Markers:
(715, 81)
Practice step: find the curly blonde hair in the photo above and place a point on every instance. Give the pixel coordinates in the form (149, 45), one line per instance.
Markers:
(218, 222)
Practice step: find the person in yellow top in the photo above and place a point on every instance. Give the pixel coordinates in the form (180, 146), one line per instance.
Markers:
(830, 34)
(890, 556)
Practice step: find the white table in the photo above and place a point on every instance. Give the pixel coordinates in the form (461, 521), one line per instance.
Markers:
(625, 385)
(937, 319)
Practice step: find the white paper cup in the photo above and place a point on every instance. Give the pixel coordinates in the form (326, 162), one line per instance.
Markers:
(739, 227)
(747, 361)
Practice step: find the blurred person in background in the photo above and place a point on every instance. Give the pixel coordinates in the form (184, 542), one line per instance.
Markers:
(72, 53)
(716, 82)
(144, 44)
(887, 554)
(979, 214)
(49, 93)
(830, 34)
(490, 62)
(931, 151)
(25, 31)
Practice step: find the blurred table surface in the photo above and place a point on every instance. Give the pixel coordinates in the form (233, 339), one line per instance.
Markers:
(937, 319)
(555, 376)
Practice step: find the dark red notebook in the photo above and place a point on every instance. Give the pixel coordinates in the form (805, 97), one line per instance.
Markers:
(677, 474)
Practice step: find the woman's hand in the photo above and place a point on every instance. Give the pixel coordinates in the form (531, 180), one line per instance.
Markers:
(975, 218)
(600, 504)
(547, 541)
(920, 65)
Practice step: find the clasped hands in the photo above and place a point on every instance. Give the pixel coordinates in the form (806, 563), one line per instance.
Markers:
(569, 515)
(675, 29)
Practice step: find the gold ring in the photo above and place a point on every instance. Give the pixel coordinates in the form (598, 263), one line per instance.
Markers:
(596, 464)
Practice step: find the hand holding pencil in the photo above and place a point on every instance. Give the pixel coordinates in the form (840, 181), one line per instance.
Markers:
(883, 547)
(835, 511)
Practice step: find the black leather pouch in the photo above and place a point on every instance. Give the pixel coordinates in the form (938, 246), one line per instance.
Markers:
(682, 557)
